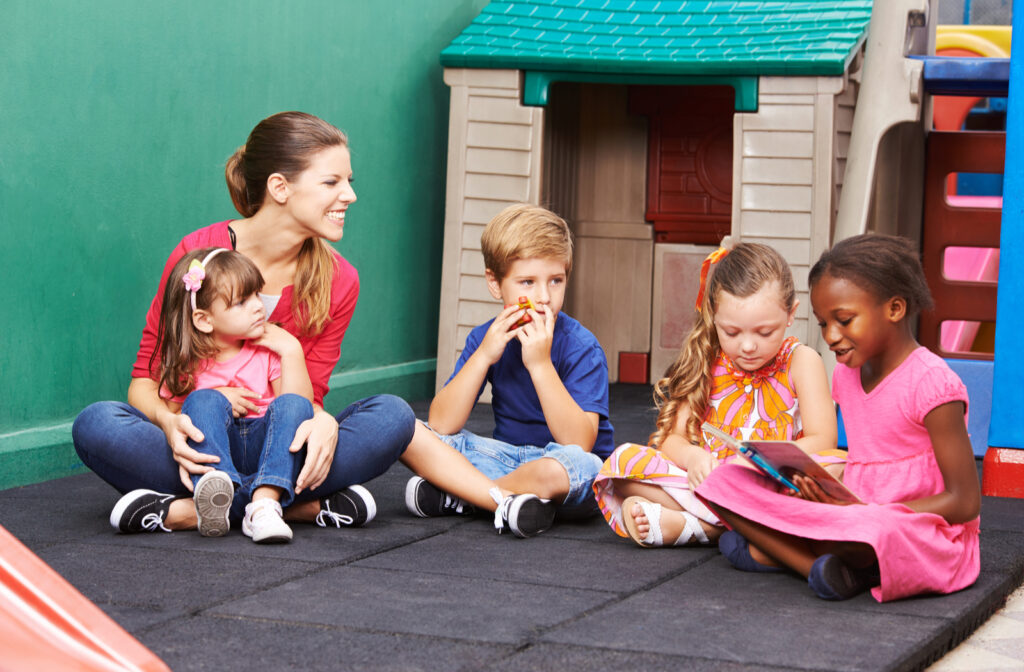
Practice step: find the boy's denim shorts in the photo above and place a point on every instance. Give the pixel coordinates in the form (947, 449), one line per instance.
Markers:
(495, 459)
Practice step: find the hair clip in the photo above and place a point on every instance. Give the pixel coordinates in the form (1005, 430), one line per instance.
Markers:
(705, 268)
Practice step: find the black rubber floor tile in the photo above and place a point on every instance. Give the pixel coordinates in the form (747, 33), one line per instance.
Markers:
(1002, 513)
(166, 579)
(220, 643)
(39, 521)
(418, 603)
(311, 543)
(541, 560)
(695, 616)
(86, 486)
(136, 619)
(591, 529)
(560, 658)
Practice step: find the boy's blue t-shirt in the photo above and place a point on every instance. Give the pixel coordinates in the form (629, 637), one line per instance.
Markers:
(580, 363)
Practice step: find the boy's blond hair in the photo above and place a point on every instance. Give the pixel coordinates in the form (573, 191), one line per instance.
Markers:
(524, 231)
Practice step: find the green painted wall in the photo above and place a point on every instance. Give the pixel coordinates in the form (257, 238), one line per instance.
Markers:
(116, 118)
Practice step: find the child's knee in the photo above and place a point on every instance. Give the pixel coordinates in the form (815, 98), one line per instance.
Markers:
(294, 405)
(207, 398)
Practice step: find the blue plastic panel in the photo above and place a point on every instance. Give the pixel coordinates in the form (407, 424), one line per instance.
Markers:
(952, 76)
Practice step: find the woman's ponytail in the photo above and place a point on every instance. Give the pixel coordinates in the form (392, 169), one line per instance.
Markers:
(234, 173)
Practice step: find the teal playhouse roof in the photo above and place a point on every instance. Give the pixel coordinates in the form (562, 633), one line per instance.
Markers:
(664, 37)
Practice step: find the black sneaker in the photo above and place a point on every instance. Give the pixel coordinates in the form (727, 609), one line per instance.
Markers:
(141, 511)
(523, 515)
(351, 507)
(428, 501)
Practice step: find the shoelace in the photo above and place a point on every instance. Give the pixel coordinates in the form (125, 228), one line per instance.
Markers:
(453, 503)
(326, 514)
(501, 512)
(151, 521)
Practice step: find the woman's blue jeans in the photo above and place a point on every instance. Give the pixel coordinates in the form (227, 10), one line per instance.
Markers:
(252, 451)
(128, 451)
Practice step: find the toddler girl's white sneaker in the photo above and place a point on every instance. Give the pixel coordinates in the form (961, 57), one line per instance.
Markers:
(264, 522)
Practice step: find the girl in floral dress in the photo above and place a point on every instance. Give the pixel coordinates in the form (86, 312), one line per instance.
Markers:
(738, 371)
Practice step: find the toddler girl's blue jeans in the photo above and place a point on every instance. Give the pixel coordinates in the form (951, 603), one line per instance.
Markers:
(495, 459)
(252, 451)
(125, 449)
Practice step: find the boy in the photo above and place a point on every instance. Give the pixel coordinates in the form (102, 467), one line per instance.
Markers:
(549, 382)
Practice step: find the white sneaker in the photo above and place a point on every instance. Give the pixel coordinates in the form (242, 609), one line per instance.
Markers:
(213, 495)
(264, 522)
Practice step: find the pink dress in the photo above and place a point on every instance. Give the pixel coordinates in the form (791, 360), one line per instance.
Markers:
(748, 405)
(891, 460)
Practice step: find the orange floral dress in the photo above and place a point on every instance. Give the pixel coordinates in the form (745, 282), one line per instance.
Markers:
(748, 405)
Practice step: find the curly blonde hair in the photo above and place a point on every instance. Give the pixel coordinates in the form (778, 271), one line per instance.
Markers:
(743, 272)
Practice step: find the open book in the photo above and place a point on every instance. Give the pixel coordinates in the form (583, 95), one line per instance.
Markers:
(779, 460)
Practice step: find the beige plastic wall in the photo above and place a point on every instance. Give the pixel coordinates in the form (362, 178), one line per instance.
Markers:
(785, 174)
(885, 170)
(494, 152)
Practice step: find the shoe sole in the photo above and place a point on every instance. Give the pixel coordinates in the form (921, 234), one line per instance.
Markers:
(213, 497)
(411, 504)
(273, 538)
(122, 505)
(531, 516)
(368, 501)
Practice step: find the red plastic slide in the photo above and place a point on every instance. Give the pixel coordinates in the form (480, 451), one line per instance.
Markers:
(45, 624)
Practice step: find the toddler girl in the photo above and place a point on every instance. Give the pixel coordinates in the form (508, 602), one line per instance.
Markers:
(910, 458)
(737, 371)
(242, 382)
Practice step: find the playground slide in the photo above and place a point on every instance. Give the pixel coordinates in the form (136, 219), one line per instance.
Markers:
(950, 114)
(45, 624)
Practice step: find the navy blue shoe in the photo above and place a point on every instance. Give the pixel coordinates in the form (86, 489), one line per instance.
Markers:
(736, 549)
(832, 579)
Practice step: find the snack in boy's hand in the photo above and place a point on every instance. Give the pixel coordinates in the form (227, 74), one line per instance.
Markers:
(524, 303)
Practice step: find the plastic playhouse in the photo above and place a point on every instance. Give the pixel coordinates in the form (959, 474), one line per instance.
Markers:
(657, 128)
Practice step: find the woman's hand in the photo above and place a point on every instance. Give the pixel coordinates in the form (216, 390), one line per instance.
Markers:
(178, 429)
(699, 467)
(240, 400)
(319, 435)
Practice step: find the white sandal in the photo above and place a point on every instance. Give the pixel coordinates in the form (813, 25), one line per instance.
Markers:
(692, 534)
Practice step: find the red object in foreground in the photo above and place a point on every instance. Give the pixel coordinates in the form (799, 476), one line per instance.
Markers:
(46, 624)
(1002, 473)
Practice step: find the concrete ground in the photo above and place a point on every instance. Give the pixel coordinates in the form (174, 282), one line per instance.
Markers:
(449, 594)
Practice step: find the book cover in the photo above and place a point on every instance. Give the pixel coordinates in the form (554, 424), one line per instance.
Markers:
(779, 460)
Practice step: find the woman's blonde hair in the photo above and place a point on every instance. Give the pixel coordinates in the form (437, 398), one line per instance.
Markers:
(180, 347)
(743, 272)
(285, 143)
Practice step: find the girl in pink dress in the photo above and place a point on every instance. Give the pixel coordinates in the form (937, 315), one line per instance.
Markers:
(738, 371)
(910, 458)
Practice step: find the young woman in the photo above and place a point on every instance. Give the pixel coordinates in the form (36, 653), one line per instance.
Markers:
(292, 183)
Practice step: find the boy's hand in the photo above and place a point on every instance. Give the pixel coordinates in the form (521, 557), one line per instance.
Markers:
(500, 333)
(536, 337)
